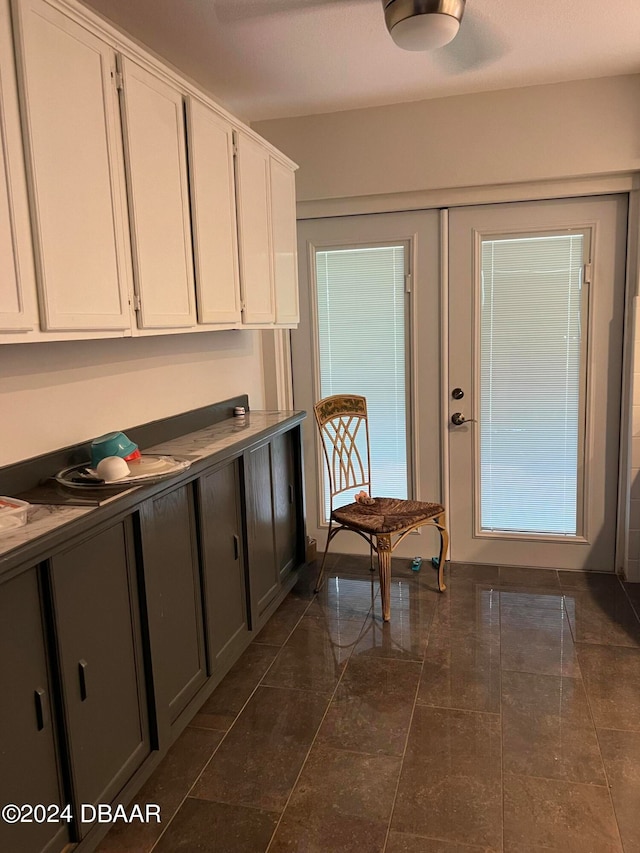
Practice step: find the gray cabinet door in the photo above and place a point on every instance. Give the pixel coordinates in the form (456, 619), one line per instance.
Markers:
(275, 518)
(97, 627)
(223, 565)
(264, 572)
(285, 500)
(174, 602)
(27, 741)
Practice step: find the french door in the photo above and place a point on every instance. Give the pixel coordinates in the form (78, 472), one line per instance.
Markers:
(536, 302)
(370, 324)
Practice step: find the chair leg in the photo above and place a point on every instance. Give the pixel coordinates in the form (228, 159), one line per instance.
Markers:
(319, 579)
(444, 545)
(383, 547)
(371, 566)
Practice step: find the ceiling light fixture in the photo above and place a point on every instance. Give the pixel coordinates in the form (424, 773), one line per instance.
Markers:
(423, 24)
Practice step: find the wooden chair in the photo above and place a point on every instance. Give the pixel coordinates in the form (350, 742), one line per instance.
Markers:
(382, 522)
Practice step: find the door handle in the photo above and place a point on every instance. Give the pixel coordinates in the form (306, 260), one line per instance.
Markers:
(458, 419)
(82, 672)
(42, 718)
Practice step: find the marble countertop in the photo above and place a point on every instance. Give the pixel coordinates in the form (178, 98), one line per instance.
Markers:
(41, 519)
(194, 446)
(205, 442)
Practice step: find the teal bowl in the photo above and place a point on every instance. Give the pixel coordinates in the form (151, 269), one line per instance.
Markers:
(111, 444)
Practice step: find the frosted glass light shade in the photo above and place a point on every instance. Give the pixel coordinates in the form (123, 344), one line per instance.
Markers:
(425, 32)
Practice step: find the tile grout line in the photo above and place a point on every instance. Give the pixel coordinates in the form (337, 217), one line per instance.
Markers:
(371, 613)
(315, 737)
(260, 683)
(626, 596)
(406, 740)
(224, 737)
(579, 677)
(634, 606)
(588, 785)
(595, 729)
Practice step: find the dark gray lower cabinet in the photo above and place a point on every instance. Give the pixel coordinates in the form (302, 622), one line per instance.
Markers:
(96, 613)
(223, 568)
(28, 755)
(275, 524)
(111, 642)
(174, 602)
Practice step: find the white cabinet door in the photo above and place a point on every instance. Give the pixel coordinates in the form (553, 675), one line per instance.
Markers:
(71, 112)
(213, 206)
(285, 256)
(156, 159)
(17, 285)
(254, 228)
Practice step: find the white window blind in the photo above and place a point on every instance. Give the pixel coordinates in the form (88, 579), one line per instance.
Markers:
(361, 319)
(532, 383)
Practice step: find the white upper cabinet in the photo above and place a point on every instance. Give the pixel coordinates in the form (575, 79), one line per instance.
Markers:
(285, 256)
(156, 160)
(266, 198)
(17, 285)
(75, 170)
(213, 205)
(129, 202)
(254, 232)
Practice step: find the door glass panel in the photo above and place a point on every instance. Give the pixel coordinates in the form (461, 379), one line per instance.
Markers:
(532, 383)
(361, 323)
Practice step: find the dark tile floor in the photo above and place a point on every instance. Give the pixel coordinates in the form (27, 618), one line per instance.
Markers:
(502, 715)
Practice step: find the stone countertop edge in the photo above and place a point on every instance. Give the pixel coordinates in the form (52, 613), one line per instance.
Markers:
(23, 544)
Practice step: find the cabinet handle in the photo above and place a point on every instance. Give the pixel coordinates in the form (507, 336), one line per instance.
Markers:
(236, 547)
(82, 672)
(42, 717)
(290, 493)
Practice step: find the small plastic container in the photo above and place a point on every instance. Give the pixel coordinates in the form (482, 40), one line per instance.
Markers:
(13, 513)
(416, 564)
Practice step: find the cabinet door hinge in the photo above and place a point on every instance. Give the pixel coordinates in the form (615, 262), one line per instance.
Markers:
(234, 143)
(136, 302)
(118, 80)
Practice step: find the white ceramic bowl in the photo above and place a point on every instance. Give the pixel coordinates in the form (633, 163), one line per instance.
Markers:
(112, 468)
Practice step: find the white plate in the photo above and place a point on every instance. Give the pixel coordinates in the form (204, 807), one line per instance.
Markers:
(146, 465)
(143, 470)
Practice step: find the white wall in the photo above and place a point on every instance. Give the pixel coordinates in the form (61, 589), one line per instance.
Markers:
(562, 130)
(56, 394)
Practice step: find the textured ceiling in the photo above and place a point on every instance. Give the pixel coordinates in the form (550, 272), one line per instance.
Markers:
(275, 58)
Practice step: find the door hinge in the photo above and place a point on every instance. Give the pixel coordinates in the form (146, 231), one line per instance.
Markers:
(136, 302)
(234, 143)
(407, 283)
(118, 80)
(586, 274)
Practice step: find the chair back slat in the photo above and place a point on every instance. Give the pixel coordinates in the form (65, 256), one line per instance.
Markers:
(344, 430)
